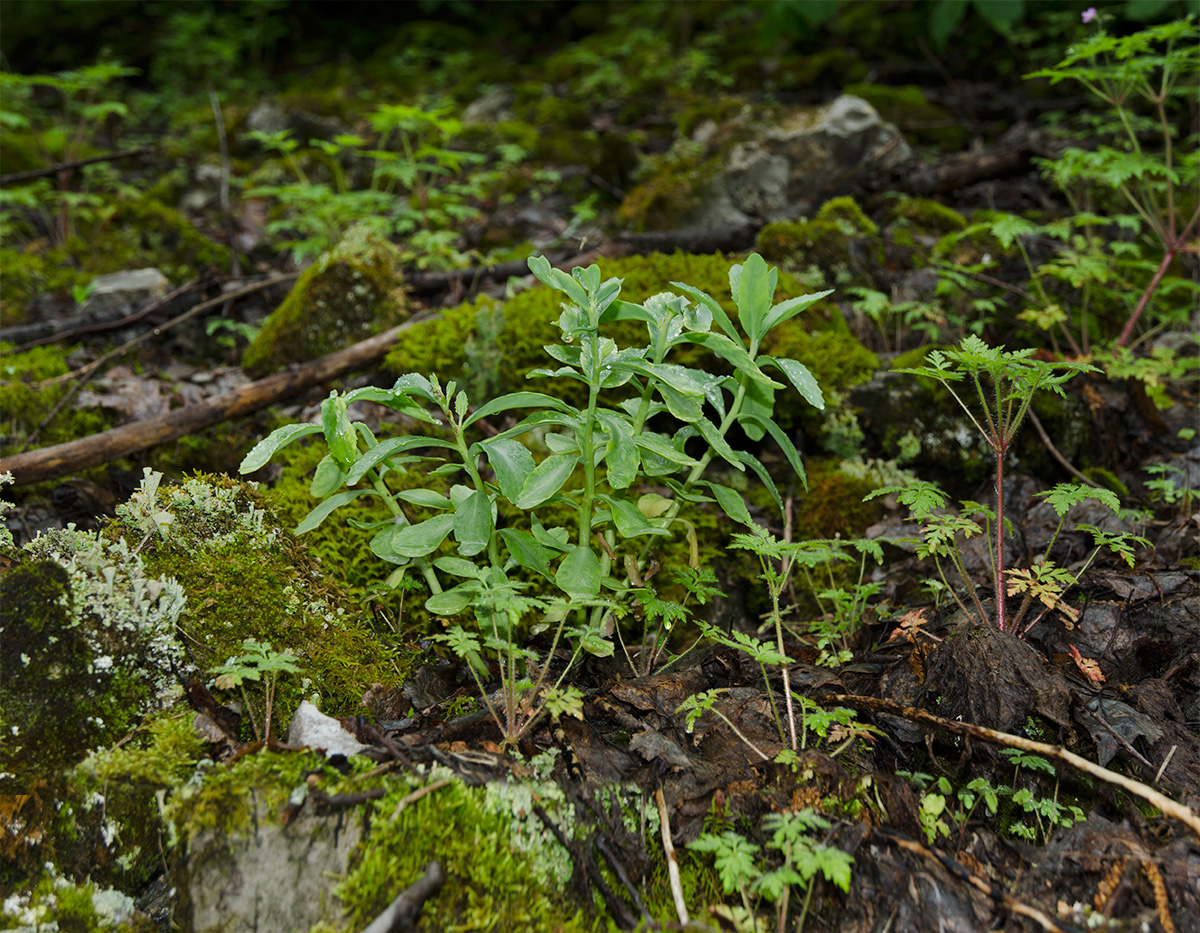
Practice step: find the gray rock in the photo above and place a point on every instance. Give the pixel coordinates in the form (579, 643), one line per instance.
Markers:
(122, 292)
(269, 877)
(311, 727)
(783, 170)
(493, 106)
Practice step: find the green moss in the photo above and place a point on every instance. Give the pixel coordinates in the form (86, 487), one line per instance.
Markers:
(502, 873)
(247, 577)
(917, 224)
(350, 293)
(833, 506)
(834, 356)
(840, 237)
(27, 397)
(26, 275)
(146, 232)
(926, 216)
(1106, 479)
(670, 187)
(919, 120)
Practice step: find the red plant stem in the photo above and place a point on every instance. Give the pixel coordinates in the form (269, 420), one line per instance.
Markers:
(1167, 259)
(1174, 248)
(1000, 447)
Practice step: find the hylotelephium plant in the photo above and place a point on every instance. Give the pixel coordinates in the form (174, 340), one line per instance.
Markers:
(666, 430)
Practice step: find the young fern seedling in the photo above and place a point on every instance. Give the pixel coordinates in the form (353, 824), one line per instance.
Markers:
(597, 457)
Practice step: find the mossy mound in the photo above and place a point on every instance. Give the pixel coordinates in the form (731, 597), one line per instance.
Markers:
(248, 577)
(839, 239)
(350, 293)
(921, 121)
(87, 635)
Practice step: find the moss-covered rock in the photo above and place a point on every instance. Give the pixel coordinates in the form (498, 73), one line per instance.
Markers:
(839, 239)
(350, 293)
(242, 833)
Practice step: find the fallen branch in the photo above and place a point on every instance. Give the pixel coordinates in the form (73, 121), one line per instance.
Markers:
(62, 459)
(1164, 803)
(68, 166)
(401, 914)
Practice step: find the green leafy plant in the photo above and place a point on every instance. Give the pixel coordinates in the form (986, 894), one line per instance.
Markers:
(259, 663)
(742, 871)
(595, 459)
(417, 187)
(1157, 66)
(1004, 384)
(61, 132)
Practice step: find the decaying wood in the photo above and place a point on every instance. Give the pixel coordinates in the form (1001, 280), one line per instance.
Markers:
(62, 459)
(1164, 803)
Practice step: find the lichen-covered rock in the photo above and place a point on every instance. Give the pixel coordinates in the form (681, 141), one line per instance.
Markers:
(87, 642)
(353, 291)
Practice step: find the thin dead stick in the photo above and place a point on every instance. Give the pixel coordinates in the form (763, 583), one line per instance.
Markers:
(84, 374)
(1055, 453)
(95, 325)
(49, 463)
(664, 825)
(67, 166)
(1164, 803)
(88, 373)
(417, 795)
(219, 119)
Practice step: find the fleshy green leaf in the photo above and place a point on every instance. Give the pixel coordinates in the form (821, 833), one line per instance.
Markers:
(784, 442)
(339, 432)
(519, 400)
(322, 511)
(327, 479)
(732, 503)
(786, 310)
(579, 572)
(385, 449)
(799, 375)
(424, 537)
(512, 463)
(629, 520)
(473, 523)
(262, 452)
(546, 479)
(660, 446)
(526, 551)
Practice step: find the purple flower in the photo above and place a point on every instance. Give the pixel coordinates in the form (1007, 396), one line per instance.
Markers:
(1089, 14)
